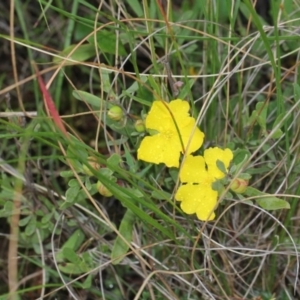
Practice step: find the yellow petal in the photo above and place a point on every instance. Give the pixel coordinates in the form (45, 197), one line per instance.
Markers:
(192, 137)
(200, 199)
(211, 155)
(180, 111)
(163, 114)
(193, 170)
(159, 117)
(158, 149)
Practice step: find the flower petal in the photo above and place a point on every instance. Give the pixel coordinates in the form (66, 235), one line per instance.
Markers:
(159, 117)
(157, 149)
(180, 111)
(194, 171)
(191, 142)
(211, 155)
(161, 114)
(200, 199)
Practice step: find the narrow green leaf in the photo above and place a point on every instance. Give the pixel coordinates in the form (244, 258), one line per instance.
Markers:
(81, 53)
(297, 92)
(120, 248)
(93, 100)
(160, 195)
(273, 203)
(136, 6)
(129, 200)
(106, 42)
(131, 162)
(266, 201)
(134, 87)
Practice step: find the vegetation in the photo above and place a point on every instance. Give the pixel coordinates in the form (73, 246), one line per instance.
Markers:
(84, 214)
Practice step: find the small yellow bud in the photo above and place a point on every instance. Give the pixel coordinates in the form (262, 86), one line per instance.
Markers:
(239, 185)
(103, 190)
(139, 126)
(115, 113)
(92, 161)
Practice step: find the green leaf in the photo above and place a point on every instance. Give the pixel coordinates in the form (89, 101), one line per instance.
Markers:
(87, 183)
(66, 174)
(73, 154)
(87, 283)
(120, 247)
(161, 195)
(25, 221)
(81, 53)
(272, 203)
(131, 162)
(154, 85)
(46, 218)
(93, 100)
(72, 193)
(106, 82)
(259, 115)
(218, 186)
(114, 159)
(186, 88)
(107, 172)
(266, 201)
(31, 226)
(297, 93)
(221, 166)
(73, 269)
(277, 134)
(107, 42)
(8, 206)
(136, 6)
(134, 87)
(240, 156)
(73, 183)
(278, 120)
(245, 176)
(128, 199)
(74, 242)
(70, 255)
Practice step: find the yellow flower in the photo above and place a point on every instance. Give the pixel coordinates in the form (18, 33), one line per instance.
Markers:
(165, 146)
(196, 195)
(211, 155)
(197, 175)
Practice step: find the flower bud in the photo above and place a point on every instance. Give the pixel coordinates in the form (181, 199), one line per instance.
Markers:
(139, 126)
(239, 185)
(115, 113)
(92, 161)
(103, 190)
